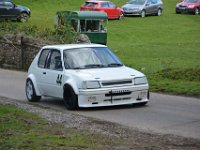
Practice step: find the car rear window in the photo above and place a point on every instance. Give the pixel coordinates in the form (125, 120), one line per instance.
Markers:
(43, 58)
(191, 1)
(137, 2)
(90, 4)
(104, 5)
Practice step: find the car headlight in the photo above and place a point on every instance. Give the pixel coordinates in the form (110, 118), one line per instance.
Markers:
(140, 80)
(191, 6)
(90, 85)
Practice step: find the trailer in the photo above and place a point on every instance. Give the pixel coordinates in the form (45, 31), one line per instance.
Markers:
(91, 23)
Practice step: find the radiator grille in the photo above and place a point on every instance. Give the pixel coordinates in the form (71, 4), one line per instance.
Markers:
(121, 82)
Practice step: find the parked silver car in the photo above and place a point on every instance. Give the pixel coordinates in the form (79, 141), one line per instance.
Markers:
(143, 7)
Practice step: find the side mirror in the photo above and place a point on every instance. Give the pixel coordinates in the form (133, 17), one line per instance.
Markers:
(13, 5)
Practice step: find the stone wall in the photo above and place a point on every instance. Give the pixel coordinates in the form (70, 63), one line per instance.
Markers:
(17, 51)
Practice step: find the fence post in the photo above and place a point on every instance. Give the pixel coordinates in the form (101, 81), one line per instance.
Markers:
(22, 52)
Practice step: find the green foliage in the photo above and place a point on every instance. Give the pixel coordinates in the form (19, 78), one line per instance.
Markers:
(29, 30)
(64, 34)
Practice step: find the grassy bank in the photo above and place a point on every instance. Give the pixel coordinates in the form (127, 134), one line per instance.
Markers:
(151, 44)
(23, 130)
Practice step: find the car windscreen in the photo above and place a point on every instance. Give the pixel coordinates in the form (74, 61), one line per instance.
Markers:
(137, 2)
(90, 57)
(191, 1)
(90, 4)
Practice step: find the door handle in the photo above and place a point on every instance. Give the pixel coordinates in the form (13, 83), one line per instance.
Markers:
(44, 73)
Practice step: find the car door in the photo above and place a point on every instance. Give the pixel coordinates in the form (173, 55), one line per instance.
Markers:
(155, 6)
(105, 7)
(50, 73)
(10, 10)
(198, 3)
(113, 10)
(2, 10)
(149, 7)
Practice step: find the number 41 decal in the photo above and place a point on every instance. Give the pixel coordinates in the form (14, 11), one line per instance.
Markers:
(59, 79)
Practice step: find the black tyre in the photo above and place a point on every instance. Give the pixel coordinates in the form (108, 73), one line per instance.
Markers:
(23, 17)
(159, 12)
(30, 92)
(196, 12)
(143, 13)
(70, 98)
(121, 15)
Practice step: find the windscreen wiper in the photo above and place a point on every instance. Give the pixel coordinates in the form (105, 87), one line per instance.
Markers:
(94, 66)
(115, 65)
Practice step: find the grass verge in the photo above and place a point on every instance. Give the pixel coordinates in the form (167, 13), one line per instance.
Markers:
(23, 130)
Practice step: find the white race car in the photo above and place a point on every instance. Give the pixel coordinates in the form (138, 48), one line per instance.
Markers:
(84, 75)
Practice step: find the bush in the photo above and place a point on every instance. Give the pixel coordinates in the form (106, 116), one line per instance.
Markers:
(63, 34)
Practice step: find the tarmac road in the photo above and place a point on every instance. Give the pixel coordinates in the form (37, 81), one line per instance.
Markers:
(164, 114)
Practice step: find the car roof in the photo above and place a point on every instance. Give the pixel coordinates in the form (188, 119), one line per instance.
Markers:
(96, 1)
(5, 0)
(83, 15)
(71, 46)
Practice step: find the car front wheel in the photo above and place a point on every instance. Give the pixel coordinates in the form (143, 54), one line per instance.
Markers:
(177, 12)
(143, 13)
(196, 12)
(23, 17)
(121, 15)
(159, 12)
(30, 92)
(70, 98)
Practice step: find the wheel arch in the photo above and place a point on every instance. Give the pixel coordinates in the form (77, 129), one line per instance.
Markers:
(119, 15)
(21, 12)
(72, 85)
(33, 79)
(143, 10)
(28, 13)
(71, 103)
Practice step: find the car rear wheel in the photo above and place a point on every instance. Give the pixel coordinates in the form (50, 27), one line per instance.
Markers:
(30, 92)
(70, 98)
(159, 12)
(196, 12)
(23, 17)
(143, 13)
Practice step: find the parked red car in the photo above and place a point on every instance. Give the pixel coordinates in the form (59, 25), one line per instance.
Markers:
(112, 11)
(188, 6)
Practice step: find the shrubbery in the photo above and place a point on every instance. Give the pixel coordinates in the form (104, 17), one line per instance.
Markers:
(63, 34)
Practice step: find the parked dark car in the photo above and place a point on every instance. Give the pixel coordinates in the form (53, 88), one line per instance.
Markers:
(11, 11)
(188, 6)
